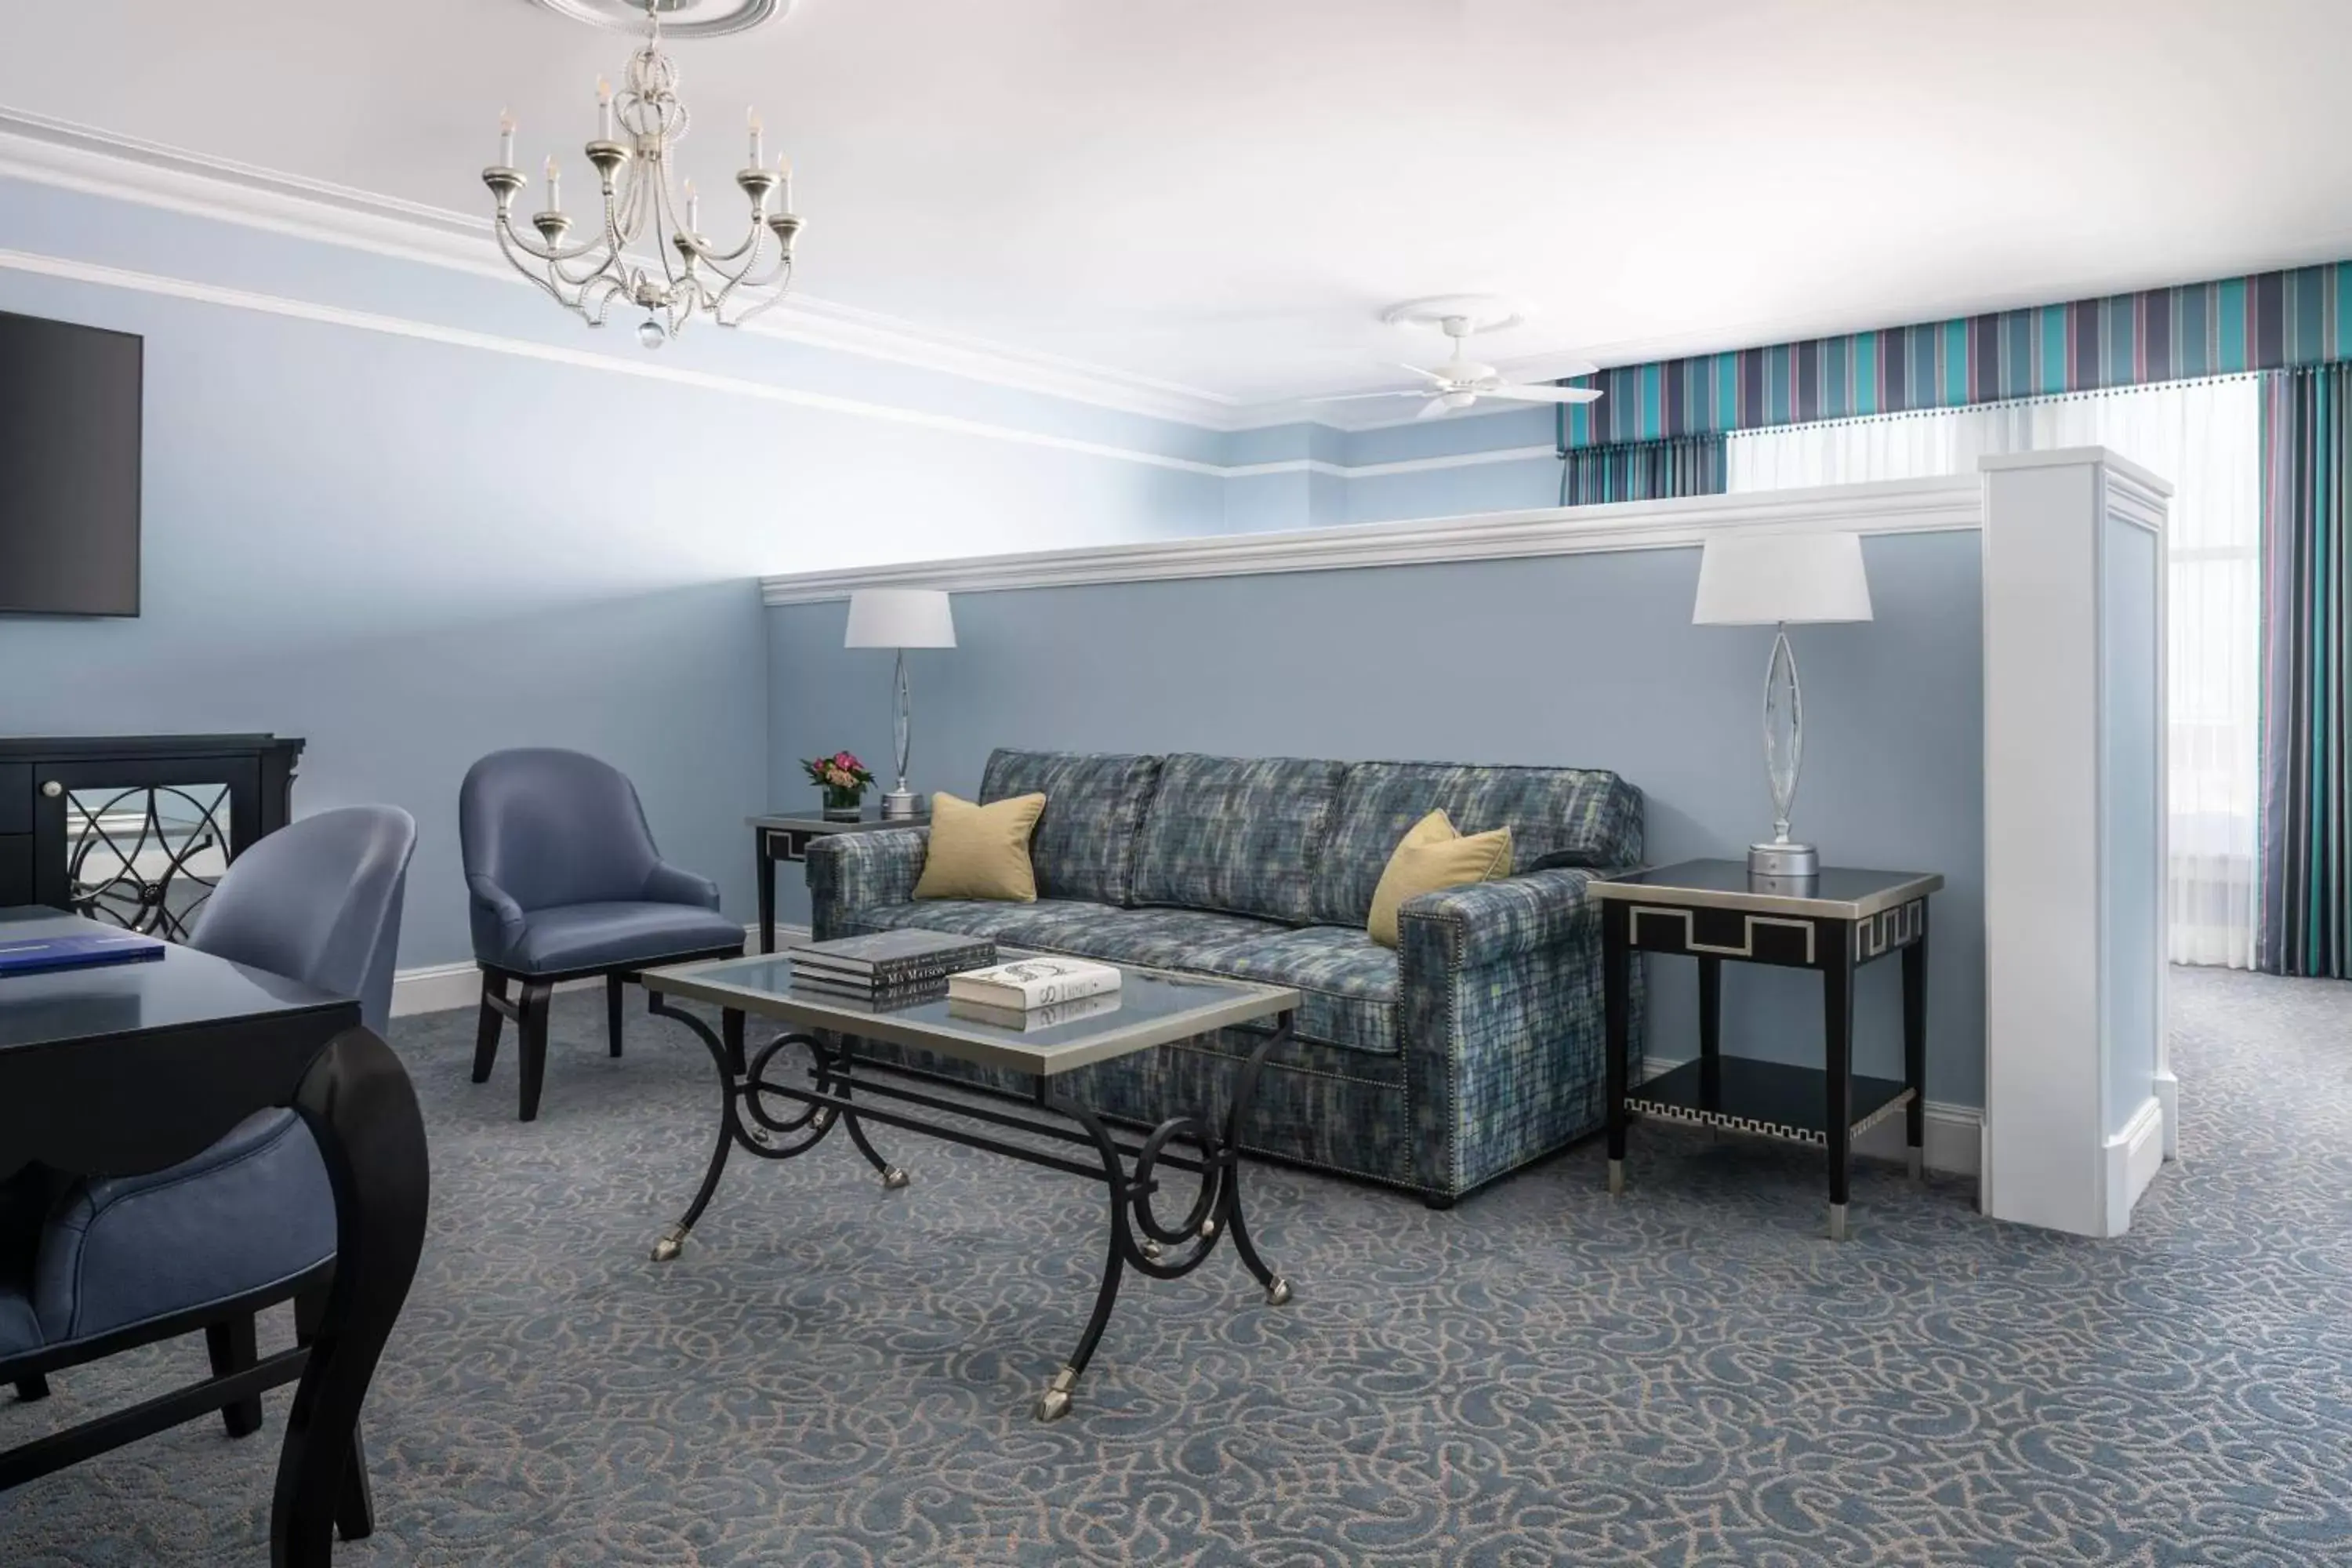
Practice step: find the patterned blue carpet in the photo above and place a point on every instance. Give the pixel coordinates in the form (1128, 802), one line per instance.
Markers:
(838, 1375)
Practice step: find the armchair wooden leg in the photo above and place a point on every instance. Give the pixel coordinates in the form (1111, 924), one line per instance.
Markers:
(613, 984)
(233, 1350)
(356, 1499)
(29, 1389)
(531, 1033)
(486, 1033)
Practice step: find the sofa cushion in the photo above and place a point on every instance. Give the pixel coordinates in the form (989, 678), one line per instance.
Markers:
(1588, 815)
(1084, 843)
(1239, 836)
(1347, 984)
(1156, 939)
(981, 851)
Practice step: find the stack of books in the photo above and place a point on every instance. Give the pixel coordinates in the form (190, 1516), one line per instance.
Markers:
(889, 969)
(1034, 993)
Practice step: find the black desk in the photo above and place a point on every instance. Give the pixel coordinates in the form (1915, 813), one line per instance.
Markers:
(1832, 924)
(136, 1066)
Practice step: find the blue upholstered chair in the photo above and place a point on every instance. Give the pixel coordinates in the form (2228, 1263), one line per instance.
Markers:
(565, 884)
(90, 1268)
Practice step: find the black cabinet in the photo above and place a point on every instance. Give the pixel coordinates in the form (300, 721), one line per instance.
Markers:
(136, 829)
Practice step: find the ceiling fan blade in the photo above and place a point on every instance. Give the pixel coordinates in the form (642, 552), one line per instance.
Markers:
(1564, 370)
(1544, 394)
(1352, 396)
(1432, 409)
(1439, 377)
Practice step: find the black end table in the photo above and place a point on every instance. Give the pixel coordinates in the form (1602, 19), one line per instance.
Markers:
(785, 836)
(1833, 923)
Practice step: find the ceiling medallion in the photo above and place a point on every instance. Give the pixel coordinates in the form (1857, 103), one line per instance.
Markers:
(638, 129)
(680, 19)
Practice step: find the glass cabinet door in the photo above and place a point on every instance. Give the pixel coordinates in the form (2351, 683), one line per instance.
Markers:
(140, 845)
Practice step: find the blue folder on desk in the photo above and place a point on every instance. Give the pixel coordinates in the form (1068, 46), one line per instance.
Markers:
(79, 949)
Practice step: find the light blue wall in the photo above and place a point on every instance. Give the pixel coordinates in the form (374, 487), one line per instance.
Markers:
(2130, 742)
(1585, 659)
(411, 551)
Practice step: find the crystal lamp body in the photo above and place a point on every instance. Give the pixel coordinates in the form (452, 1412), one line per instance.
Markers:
(1784, 755)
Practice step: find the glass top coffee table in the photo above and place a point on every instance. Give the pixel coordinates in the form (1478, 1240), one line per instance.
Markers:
(776, 1117)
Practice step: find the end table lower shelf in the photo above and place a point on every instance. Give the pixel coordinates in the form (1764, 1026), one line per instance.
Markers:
(1769, 1100)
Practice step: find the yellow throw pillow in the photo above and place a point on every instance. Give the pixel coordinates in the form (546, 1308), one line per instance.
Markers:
(981, 851)
(1433, 856)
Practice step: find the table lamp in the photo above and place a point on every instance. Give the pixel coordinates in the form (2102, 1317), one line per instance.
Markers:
(1783, 580)
(901, 618)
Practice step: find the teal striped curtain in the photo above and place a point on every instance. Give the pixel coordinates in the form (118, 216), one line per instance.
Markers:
(1643, 470)
(2307, 671)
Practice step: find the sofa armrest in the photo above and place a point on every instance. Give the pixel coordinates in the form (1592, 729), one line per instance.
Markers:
(1487, 921)
(1499, 993)
(848, 871)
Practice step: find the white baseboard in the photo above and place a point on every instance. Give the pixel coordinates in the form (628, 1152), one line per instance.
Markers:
(2134, 1156)
(2167, 1098)
(438, 987)
(1955, 1134)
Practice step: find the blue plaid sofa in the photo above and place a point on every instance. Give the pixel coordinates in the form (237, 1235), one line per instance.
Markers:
(1472, 1048)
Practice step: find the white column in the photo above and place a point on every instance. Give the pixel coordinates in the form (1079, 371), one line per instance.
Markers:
(2075, 837)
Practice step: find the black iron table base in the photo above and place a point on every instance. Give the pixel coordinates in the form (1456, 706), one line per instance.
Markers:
(1141, 1236)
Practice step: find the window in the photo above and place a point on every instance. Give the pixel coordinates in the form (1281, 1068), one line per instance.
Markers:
(2205, 437)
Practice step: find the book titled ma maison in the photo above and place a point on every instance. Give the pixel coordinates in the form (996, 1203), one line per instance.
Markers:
(1030, 983)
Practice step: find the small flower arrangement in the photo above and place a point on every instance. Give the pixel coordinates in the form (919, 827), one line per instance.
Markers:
(841, 777)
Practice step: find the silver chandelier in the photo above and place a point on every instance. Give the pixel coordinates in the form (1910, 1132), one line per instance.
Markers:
(639, 130)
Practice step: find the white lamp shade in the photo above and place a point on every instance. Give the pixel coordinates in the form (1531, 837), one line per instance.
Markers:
(1766, 579)
(899, 617)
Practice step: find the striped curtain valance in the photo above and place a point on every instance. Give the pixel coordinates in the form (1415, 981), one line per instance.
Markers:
(2307, 672)
(2268, 322)
(1644, 470)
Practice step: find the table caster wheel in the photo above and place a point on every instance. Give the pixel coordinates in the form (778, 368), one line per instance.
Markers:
(1278, 1293)
(893, 1178)
(667, 1249)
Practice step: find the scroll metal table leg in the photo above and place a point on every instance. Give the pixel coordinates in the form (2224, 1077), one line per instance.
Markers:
(836, 1072)
(1277, 1289)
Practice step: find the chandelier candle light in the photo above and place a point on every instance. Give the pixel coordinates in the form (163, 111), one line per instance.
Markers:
(637, 131)
(1780, 580)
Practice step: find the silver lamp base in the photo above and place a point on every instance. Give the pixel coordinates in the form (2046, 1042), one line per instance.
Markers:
(901, 803)
(1779, 859)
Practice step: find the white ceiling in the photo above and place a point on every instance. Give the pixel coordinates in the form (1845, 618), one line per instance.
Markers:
(1222, 195)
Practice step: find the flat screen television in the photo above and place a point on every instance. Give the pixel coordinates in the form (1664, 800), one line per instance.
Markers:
(69, 443)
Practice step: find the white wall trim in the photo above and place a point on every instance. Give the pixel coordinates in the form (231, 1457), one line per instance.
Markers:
(624, 363)
(440, 987)
(99, 162)
(1908, 506)
(581, 358)
(1954, 1133)
(1401, 466)
(2134, 1156)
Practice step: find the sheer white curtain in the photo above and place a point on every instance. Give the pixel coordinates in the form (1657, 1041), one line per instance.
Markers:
(2204, 437)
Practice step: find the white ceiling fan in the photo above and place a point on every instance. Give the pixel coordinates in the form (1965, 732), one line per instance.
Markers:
(1461, 381)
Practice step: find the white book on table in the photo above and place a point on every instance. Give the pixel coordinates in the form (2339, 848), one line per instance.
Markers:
(1029, 982)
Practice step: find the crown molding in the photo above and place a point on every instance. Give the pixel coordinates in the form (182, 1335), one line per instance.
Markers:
(1908, 506)
(100, 162)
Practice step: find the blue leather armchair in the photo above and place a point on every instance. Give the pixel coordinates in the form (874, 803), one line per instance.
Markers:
(91, 1267)
(565, 883)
